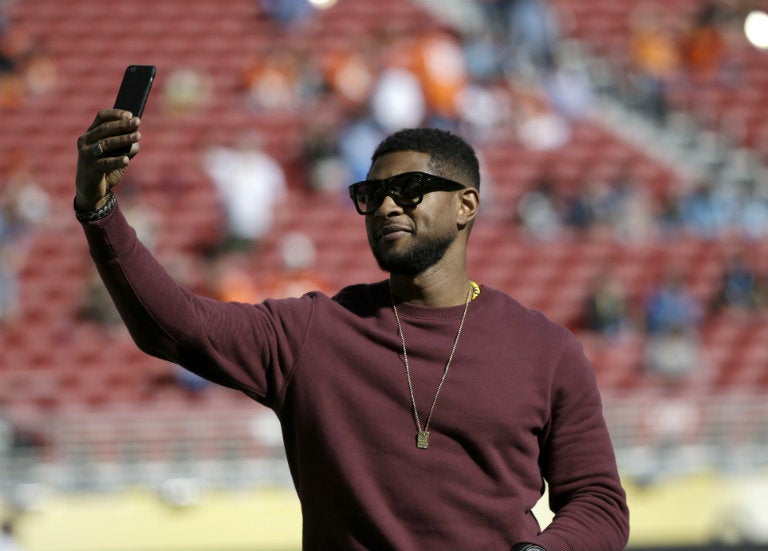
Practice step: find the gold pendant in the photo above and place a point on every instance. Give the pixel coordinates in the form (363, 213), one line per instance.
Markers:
(422, 439)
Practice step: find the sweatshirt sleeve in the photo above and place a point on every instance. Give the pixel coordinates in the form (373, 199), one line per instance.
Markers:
(243, 346)
(579, 465)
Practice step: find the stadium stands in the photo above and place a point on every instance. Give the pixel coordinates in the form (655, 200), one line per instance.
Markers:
(52, 359)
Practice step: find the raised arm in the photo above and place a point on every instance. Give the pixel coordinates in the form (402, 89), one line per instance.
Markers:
(232, 344)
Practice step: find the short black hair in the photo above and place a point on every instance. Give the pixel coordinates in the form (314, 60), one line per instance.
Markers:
(450, 155)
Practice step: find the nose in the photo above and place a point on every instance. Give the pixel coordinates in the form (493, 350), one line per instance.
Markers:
(388, 207)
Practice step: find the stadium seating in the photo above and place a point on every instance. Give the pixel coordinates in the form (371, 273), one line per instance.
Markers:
(52, 358)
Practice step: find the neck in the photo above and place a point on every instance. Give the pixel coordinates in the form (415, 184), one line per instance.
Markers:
(436, 290)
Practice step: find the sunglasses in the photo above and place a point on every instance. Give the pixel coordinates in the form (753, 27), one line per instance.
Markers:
(406, 190)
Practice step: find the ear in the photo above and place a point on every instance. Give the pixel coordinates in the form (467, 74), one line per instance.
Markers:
(468, 206)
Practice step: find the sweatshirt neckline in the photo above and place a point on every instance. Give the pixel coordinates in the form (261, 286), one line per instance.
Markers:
(407, 309)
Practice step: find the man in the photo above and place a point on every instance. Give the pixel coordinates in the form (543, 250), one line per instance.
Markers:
(423, 412)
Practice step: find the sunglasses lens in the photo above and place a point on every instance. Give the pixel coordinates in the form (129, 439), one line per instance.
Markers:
(406, 189)
(368, 196)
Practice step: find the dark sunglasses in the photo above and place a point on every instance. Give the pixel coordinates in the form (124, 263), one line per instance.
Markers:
(406, 190)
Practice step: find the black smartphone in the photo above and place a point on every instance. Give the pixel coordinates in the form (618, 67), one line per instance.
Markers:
(133, 94)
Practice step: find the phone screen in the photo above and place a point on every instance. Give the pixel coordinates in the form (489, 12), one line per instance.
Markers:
(134, 89)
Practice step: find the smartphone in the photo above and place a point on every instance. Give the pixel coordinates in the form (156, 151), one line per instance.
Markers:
(133, 94)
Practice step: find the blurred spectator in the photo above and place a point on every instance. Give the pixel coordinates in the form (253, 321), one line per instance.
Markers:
(143, 216)
(614, 206)
(6, 429)
(190, 269)
(24, 205)
(280, 80)
(186, 90)
(232, 279)
(350, 75)
(11, 90)
(601, 201)
(15, 44)
(297, 275)
(442, 71)
(357, 138)
(737, 289)
(398, 100)
(752, 215)
(533, 30)
(9, 287)
(703, 45)
(632, 217)
(539, 209)
(96, 305)
(539, 126)
(28, 439)
(40, 73)
(288, 13)
(6, 64)
(527, 31)
(672, 355)
(673, 315)
(607, 310)
(482, 55)
(671, 306)
(397, 97)
(654, 59)
(577, 211)
(26, 69)
(327, 172)
(568, 88)
(668, 216)
(704, 211)
(251, 185)
(484, 113)
(761, 290)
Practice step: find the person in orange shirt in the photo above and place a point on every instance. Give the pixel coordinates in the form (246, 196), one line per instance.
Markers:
(441, 67)
(297, 275)
(704, 48)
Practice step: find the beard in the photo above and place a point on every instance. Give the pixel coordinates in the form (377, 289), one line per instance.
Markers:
(416, 259)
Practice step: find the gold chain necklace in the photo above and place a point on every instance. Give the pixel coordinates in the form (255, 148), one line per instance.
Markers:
(422, 436)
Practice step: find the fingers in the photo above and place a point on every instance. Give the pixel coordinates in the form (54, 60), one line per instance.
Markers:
(104, 148)
(112, 127)
(106, 115)
(105, 165)
(101, 140)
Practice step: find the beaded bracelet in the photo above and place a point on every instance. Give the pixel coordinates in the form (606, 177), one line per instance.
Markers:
(93, 215)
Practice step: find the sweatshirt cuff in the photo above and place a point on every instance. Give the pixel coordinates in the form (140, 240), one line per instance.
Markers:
(109, 237)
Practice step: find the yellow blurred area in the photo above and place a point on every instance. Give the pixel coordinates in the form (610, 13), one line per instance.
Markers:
(139, 520)
(687, 510)
(676, 512)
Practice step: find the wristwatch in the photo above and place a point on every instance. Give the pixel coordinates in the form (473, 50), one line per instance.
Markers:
(528, 547)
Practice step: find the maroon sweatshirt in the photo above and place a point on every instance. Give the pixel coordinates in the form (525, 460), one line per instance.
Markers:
(519, 406)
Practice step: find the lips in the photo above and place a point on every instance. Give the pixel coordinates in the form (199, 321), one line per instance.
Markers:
(392, 231)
